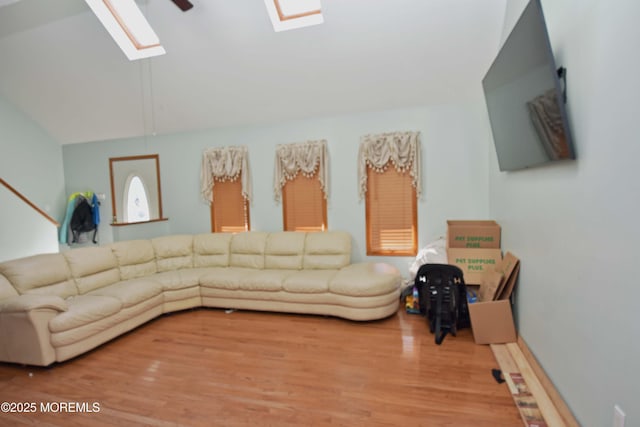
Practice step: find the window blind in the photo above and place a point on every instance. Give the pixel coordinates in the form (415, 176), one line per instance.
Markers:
(229, 210)
(391, 213)
(304, 207)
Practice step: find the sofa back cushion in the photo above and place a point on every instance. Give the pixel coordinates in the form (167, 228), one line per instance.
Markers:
(136, 258)
(173, 252)
(247, 249)
(6, 289)
(284, 250)
(211, 249)
(40, 274)
(327, 250)
(93, 267)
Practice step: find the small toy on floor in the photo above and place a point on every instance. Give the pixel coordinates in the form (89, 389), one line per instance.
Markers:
(412, 302)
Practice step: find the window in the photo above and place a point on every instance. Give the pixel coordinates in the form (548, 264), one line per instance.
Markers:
(301, 181)
(304, 207)
(389, 176)
(391, 213)
(225, 185)
(229, 210)
(137, 202)
(291, 14)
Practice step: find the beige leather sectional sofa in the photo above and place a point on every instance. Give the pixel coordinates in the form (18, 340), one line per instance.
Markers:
(56, 306)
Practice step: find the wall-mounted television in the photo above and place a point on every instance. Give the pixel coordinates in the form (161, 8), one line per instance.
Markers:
(525, 98)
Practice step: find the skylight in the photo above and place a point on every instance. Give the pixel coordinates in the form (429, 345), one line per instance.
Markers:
(129, 28)
(291, 14)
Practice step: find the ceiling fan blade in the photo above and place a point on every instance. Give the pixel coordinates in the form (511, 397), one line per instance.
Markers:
(184, 5)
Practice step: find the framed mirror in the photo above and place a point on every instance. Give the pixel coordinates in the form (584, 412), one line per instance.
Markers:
(135, 189)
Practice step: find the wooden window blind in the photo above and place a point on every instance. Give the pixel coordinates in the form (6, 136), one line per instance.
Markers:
(391, 213)
(304, 207)
(229, 210)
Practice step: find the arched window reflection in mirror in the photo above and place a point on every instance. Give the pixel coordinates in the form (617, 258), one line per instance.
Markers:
(135, 189)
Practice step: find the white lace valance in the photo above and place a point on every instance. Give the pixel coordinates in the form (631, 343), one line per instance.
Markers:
(402, 149)
(307, 158)
(224, 164)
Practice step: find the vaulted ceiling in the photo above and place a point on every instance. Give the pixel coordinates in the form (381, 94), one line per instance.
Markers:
(225, 66)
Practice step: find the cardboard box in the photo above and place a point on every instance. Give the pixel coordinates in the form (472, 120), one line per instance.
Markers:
(490, 286)
(499, 284)
(474, 262)
(473, 234)
(510, 283)
(491, 317)
(492, 322)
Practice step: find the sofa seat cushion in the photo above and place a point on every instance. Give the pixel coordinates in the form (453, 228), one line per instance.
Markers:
(309, 282)
(131, 292)
(366, 279)
(237, 278)
(122, 321)
(180, 279)
(191, 277)
(264, 280)
(169, 280)
(84, 309)
(224, 278)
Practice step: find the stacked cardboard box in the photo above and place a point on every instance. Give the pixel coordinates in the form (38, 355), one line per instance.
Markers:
(473, 246)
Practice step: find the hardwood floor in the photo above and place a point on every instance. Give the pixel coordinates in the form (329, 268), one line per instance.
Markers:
(209, 368)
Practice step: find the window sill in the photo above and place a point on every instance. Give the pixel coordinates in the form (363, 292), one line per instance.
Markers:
(393, 253)
(122, 224)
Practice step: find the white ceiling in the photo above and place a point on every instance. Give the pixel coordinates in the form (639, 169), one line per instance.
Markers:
(225, 66)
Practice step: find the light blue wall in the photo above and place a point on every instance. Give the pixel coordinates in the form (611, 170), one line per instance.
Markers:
(454, 146)
(23, 230)
(575, 225)
(31, 161)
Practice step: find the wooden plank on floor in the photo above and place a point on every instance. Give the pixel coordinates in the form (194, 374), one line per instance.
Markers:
(506, 363)
(525, 389)
(545, 404)
(552, 392)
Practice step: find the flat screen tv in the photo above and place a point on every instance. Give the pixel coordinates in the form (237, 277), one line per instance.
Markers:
(525, 99)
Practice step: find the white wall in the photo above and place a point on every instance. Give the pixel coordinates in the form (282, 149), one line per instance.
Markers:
(31, 162)
(454, 146)
(574, 225)
(23, 230)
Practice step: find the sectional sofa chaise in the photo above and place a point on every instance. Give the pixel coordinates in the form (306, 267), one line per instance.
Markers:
(54, 307)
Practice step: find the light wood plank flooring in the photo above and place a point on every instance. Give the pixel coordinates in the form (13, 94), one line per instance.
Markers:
(206, 367)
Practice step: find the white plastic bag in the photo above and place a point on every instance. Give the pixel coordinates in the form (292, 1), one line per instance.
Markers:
(434, 253)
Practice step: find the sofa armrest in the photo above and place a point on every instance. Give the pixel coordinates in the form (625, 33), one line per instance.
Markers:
(24, 328)
(24, 303)
(366, 279)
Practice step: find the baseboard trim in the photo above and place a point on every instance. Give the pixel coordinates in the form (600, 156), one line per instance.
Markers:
(547, 384)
